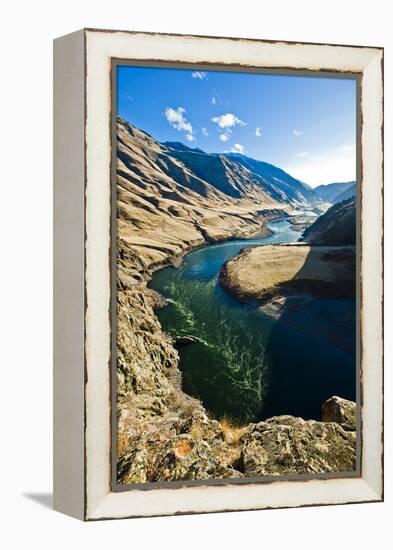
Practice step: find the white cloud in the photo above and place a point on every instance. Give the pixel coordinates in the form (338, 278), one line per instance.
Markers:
(227, 120)
(177, 119)
(225, 137)
(205, 132)
(348, 147)
(127, 96)
(238, 148)
(337, 164)
(213, 101)
(199, 74)
(297, 132)
(302, 154)
(258, 131)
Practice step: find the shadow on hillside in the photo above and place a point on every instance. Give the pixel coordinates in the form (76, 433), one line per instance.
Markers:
(311, 349)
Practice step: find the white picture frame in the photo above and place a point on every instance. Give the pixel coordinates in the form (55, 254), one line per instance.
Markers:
(83, 249)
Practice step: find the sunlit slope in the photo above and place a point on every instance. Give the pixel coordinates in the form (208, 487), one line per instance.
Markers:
(172, 198)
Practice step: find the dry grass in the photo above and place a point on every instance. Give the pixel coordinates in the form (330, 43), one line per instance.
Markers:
(197, 432)
(122, 443)
(182, 449)
(260, 273)
(232, 431)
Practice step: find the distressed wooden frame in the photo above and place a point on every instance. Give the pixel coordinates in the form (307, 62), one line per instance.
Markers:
(83, 252)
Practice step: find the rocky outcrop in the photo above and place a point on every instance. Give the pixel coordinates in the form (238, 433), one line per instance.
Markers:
(181, 341)
(182, 445)
(341, 411)
(191, 446)
(286, 445)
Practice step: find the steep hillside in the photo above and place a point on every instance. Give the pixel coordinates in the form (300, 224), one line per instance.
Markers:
(331, 192)
(229, 177)
(179, 146)
(170, 200)
(336, 227)
(277, 182)
(347, 194)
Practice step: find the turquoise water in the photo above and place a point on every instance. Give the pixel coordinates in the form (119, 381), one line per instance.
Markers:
(247, 365)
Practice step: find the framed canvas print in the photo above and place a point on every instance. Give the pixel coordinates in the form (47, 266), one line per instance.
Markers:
(218, 274)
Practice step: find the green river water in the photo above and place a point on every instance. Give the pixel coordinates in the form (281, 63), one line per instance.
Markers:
(247, 365)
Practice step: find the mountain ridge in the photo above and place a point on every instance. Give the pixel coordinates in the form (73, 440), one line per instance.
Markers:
(331, 192)
(293, 188)
(166, 208)
(347, 194)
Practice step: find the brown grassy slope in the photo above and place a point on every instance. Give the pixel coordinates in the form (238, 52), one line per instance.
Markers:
(258, 274)
(164, 208)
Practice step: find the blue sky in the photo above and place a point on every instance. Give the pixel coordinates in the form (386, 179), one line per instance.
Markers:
(305, 125)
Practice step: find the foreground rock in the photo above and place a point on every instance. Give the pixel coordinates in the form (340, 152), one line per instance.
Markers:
(192, 446)
(259, 274)
(340, 410)
(285, 445)
(181, 341)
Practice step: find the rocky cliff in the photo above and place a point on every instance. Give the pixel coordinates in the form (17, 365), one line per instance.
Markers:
(164, 209)
(186, 444)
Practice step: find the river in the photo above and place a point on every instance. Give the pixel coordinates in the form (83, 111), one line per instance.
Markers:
(247, 365)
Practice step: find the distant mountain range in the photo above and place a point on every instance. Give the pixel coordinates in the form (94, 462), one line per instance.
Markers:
(347, 194)
(238, 175)
(336, 192)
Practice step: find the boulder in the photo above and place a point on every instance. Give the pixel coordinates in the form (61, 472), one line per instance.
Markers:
(341, 411)
(285, 445)
(180, 341)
